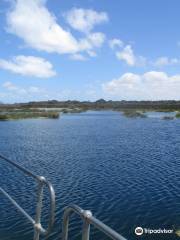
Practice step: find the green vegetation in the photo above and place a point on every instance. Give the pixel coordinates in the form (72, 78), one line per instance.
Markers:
(28, 114)
(134, 114)
(178, 115)
(24, 113)
(75, 110)
(52, 108)
(3, 117)
(101, 104)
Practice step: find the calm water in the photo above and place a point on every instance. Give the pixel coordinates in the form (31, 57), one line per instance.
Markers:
(127, 171)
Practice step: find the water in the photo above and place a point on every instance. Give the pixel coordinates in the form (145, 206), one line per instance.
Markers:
(160, 114)
(127, 171)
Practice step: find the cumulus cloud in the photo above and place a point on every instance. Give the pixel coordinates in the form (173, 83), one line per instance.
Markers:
(96, 39)
(150, 85)
(116, 43)
(92, 40)
(32, 22)
(84, 20)
(127, 55)
(29, 66)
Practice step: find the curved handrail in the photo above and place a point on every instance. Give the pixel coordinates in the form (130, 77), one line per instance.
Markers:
(88, 219)
(86, 215)
(52, 207)
(38, 229)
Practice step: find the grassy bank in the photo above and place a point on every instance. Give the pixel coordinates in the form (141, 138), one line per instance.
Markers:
(134, 114)
(22, 112)
(178, 115)
(28, 114)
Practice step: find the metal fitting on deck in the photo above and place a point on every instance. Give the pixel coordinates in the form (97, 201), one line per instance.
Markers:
(87, 214)
(38, 227)
(42, 179)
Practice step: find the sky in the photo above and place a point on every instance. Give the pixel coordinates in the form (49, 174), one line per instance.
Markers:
(89, 49)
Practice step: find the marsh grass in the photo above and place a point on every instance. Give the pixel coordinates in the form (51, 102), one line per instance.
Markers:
(134, 114)
(178, 115)
(28, 114)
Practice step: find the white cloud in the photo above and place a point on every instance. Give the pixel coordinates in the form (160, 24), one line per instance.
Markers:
(165, 61)
(29, 66)
(92, 40)
(32, 22)
(96, 39)
(150, 85)
(127, 55)
(113, 43)
(84, 20)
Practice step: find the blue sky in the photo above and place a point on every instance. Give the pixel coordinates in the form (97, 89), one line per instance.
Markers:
(87, 50)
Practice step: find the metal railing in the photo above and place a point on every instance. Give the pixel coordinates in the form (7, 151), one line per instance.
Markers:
(86, 215)
(88, 220)
(42, 182)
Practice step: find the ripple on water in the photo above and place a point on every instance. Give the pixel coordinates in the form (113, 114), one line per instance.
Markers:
(125, 170)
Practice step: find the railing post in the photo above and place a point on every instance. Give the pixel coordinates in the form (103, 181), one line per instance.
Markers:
(86, 225)
(38, 229)
(88, 220)
(65, 225)
(37, 226)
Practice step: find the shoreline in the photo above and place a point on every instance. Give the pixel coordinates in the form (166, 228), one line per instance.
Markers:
(54, 113)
